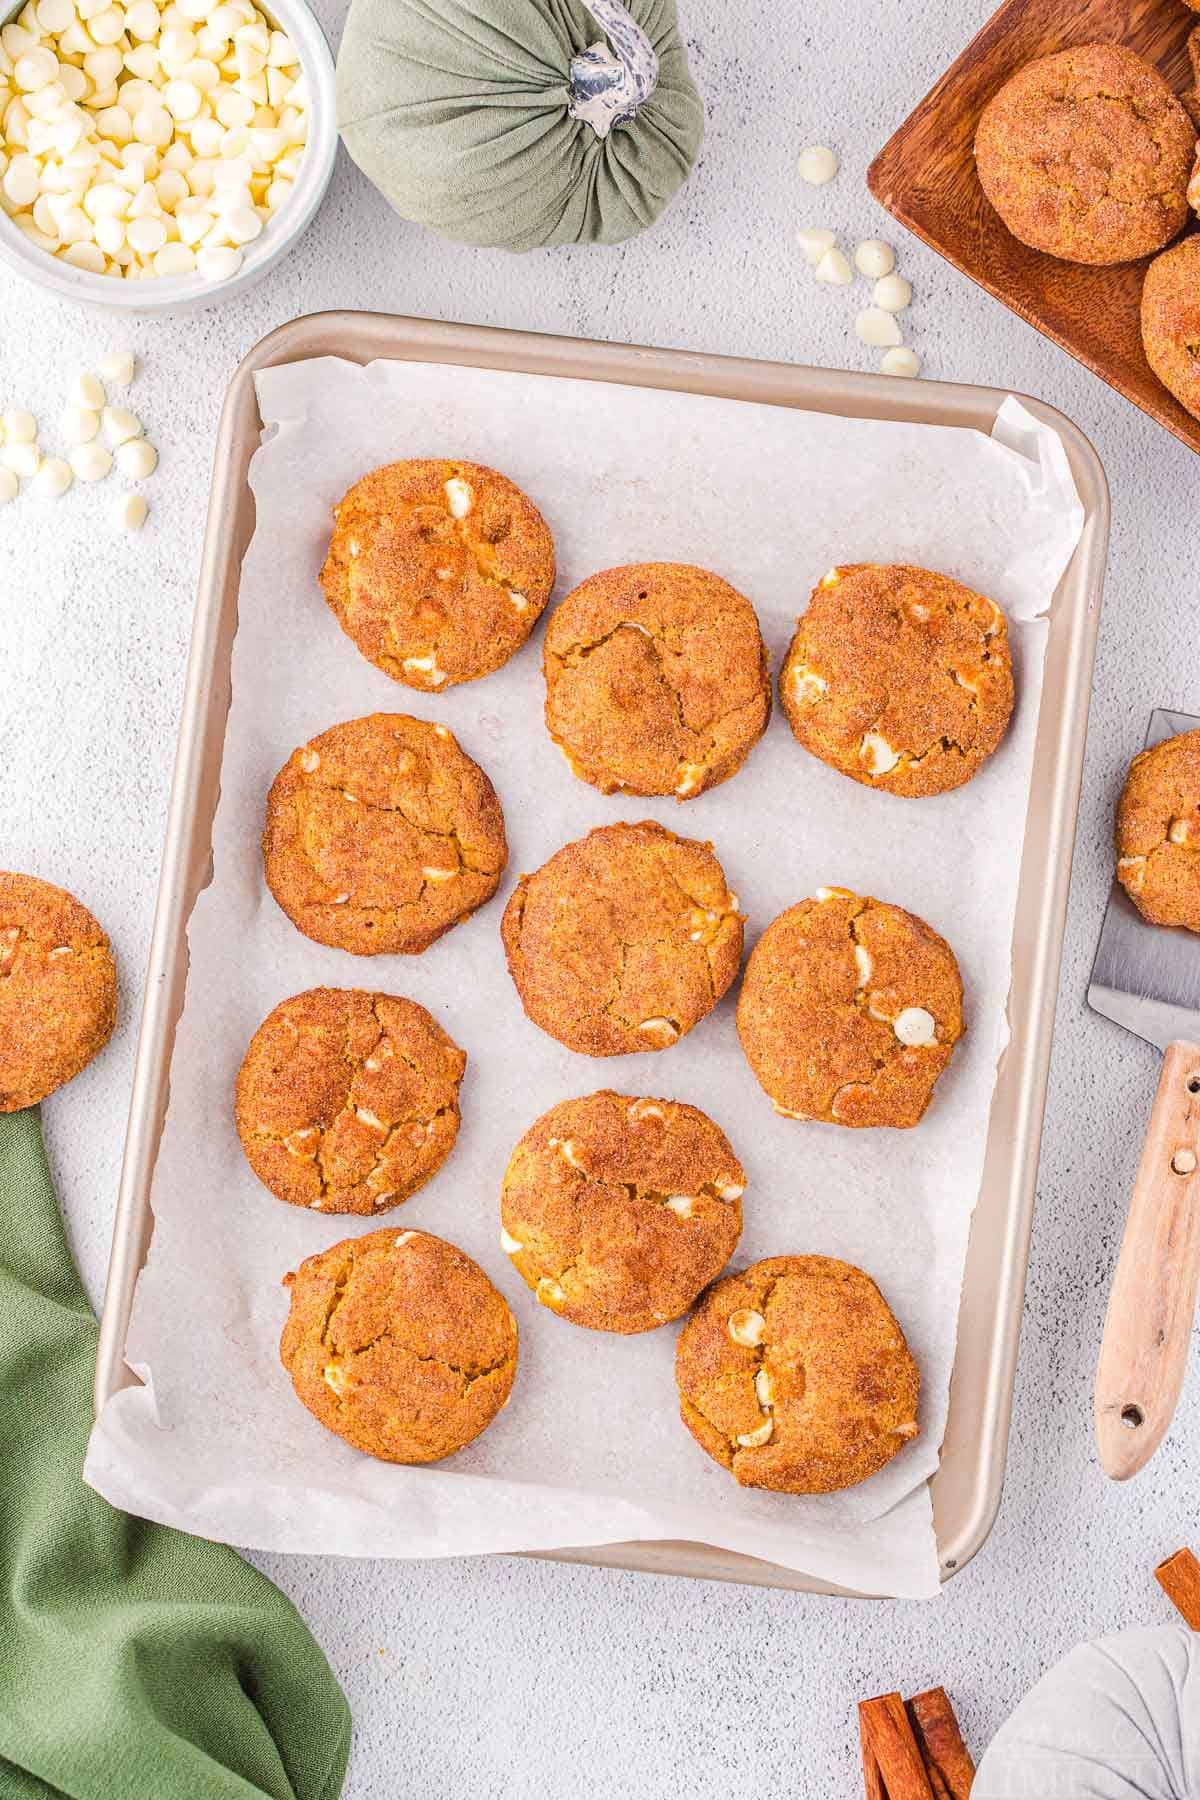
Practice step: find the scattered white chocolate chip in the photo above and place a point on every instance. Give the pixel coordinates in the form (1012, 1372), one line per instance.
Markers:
(876, 327)
(309, 760)
(509, 1244)
(53, 478)
(117, 367)
(80, 425)
(817, 165)
(824, 894)
(1180, 832)
(830, 578)
(19, 427)
(88, 392)
(425, 665)
(873, 258)
(900, 361)
(807, 684)
(915, 1027)
(548, 1291)
(892, 293)
(833, 267)
(120, 425)
(22, 458)
(369, 1119)
(405, 1238)
(335, 1378)
(661, 1032)
(730, 1190)
(137, 459)
(566, 1149)
(91, 461)
(690, 776)
(681, 1204)
(130, 512)
(876, 754)
(785, 1112)
(303, 1143)
(751, 1440)
(814, 242)
(764, 1387)
(10, 487)
(458, 497)
(746, 1327)
(437, 875)
(643, 1109)
(862, 957)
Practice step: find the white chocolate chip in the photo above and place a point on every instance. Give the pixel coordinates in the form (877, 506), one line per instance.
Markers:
(1180, 832)
(10, 487)
(874, 258)
(458, 497)
(130, 512)
(814, 243)
(834, 268)
(91, 462)
(518, 600)
(643, 1109)
(309, 760)
(118, 366)
(915, 1027)
(764, 1387)
(751, 1440)
(303, 1143)
(548, 1291)
(690, 777)
(336, 1378)
(22, 458)
(862, 957)
(59, 950)
(681, 1204)
(807, 684)
(730, 1190)
(370, 1119)
(120, 425)
(566, 1149)
(80, 425)
(830, 578)
(438, 875)
(785, 1112)
(893, 293)
(19, 427)
(876, 327)
(137, 459)
(661, 1032)
(509, 1244)
(876, 754)
(88, 392)
(53, 478)
(425, 665)
(824, 894)
(746, 1327)
(405, 1237)
(816, 165)
(901, 361)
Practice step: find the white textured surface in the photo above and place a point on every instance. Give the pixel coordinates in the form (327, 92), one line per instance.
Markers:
(527, 1679)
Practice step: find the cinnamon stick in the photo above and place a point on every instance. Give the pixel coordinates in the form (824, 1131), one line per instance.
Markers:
(892, 1763)
(1179, 1579)
(947, 1761)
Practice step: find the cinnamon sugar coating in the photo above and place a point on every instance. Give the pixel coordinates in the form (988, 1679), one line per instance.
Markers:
(58, 989)
(1171, 321)
(1158, 832)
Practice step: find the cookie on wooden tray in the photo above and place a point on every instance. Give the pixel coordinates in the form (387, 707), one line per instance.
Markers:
(400, 1344)
(1171, 321)
(618, 1210)
(381, 834)
(849, 1011)
(1086, 155)
(438, 570)
(899, 677)
(58, 989)
(796, 1376)
(1158, 832)
(624, 940)
(656, 680)
(347, 1102)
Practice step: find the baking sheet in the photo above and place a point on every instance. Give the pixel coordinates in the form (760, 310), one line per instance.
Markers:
(590, 1449)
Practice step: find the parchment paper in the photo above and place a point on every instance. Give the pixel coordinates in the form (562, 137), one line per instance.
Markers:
(590, 1448)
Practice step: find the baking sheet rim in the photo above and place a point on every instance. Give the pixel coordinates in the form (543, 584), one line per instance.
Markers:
(966, 1487)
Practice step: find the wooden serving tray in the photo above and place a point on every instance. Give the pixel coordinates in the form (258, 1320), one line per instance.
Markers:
(926, 177)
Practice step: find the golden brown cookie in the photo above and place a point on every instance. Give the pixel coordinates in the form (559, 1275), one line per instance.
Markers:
(656, 680)
(617, 1211)
(1158, 832)
(58, 989)
(795, 1376)
(1086, 155)
(347, 1102)
(849, 1011)
(624, 940)
(400, 1344)
(382, 834)
(438, 570)
(1171, 321)
(899, 677)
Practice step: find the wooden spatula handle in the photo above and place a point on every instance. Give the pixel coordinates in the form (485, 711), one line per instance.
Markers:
(1153, 1301)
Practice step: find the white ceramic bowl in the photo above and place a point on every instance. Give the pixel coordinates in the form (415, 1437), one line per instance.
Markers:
(186, 293)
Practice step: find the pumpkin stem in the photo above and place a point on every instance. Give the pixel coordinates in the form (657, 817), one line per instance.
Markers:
(608, 84)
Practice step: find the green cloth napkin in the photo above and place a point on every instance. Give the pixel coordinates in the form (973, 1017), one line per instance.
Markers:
(136, 1663)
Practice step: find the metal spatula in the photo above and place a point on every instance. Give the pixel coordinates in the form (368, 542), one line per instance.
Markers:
(1147, 978)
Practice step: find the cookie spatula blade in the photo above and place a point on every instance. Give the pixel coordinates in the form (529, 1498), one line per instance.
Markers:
(1147, 979)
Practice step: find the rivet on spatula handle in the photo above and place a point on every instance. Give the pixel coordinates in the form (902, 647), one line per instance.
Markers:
(1148, 1329)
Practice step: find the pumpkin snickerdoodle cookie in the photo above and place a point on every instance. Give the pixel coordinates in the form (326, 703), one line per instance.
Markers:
(1158, 832)
(438, 570)
(849, 1011)
(381, 834)
(656, 680)
(796, 1376)
(899, 677)
(347, 1102)
(58, 989)
(618, 1210)
(1086, 155)
(1171, 320)
(400, 1344)
(624, 940)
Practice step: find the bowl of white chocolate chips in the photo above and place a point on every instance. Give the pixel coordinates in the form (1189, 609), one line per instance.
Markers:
(156, 157)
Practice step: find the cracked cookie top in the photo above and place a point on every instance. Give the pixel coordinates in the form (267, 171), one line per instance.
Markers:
(347, 1102)
(1158, 832)
(795, 1376)
(381, 834)
(656, 680)
(899, 677)
(438, 570)
(849, 1011)
(618, 1210)
(1171, 319)
(58, 989)
(624, 940)
(400, 1344)
(1086, 155)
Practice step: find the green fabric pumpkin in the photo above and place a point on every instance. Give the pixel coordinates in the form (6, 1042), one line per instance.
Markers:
(520, 123)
